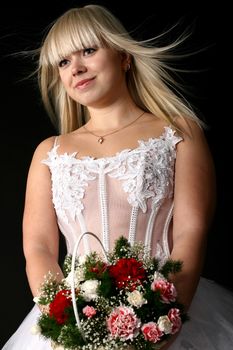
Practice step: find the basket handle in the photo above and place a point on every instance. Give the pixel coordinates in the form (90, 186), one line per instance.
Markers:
(73, 275)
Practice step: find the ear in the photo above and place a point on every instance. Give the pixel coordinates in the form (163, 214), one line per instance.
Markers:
(125, 61)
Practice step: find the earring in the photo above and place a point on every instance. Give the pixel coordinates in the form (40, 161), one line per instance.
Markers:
(128, 67)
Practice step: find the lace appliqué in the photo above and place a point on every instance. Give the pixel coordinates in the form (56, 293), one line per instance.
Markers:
(69, 180)
(148, 171)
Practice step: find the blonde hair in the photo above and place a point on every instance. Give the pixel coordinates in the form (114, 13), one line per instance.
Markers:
(149, 83)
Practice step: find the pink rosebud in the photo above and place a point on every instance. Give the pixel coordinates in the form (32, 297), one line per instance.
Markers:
(123, 323)
(174, 317)
(167, 290)
(89, 311)
(151, 332)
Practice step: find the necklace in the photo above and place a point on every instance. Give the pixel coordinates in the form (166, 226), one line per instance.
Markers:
(102, 138)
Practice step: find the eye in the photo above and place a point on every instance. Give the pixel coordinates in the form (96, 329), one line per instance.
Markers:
(88, 51)
(63, 63)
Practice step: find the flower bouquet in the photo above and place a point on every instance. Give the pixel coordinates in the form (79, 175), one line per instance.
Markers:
(124, 300)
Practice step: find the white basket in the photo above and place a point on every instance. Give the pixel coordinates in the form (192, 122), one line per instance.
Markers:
(73, 275)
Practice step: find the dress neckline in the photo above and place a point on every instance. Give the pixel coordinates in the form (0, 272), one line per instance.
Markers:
(167, 130)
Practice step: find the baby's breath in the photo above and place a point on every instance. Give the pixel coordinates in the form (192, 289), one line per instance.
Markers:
(48, 289)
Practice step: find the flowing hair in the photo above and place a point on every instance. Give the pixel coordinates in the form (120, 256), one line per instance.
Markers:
(150, 84)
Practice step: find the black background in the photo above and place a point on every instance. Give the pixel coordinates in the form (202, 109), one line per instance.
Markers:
(24, 124)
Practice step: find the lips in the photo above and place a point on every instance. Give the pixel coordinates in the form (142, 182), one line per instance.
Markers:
(84, 82)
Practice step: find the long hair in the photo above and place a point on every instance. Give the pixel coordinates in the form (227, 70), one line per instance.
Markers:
(150, 84)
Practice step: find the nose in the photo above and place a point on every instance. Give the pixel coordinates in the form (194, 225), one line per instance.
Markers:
(78, 68)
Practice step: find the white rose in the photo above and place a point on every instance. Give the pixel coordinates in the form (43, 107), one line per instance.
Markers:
(135, 298)
(35, 329)
(89, 289)
(164, 324)
(78, 277)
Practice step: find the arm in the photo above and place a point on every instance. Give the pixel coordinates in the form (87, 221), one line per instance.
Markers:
(40, 230)
(194, 204)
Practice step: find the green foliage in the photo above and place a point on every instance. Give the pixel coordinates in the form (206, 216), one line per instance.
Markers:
(80, 302)
(153, 308)
(70, 336)
(106, 287)
(122, 247)
(171, 266)
(154, 264)
(93, 267)
(49, 327)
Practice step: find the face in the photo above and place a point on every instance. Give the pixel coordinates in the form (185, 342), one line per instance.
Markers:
(94, 76)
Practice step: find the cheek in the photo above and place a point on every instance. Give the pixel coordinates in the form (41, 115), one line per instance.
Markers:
(64, 78)
(113, 72)
(109, 65)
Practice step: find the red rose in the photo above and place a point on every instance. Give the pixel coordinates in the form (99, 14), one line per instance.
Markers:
(128, 272)
(58, 306)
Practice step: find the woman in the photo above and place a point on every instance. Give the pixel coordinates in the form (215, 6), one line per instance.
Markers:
(131, 159)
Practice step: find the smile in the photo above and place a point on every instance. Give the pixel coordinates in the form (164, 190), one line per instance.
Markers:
(84, 83)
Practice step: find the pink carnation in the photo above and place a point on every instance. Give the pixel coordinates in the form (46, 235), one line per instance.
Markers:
(123, 323)
(151, 332)
(89, 311)
(174, 317)
(167, 290)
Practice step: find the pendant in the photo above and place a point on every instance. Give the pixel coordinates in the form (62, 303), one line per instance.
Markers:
(101, 140)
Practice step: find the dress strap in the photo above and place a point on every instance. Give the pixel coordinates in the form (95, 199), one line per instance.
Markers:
(55, 141)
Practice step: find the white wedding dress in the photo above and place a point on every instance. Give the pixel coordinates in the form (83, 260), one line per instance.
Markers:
(131, 194)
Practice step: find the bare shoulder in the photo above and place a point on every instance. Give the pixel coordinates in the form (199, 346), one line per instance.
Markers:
(44, 147)
(190, 130)
(194, 151)
(151, 126)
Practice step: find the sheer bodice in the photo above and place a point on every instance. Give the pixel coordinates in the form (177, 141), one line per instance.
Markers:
(127, 194)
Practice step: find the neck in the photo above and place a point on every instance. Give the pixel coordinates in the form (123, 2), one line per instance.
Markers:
(112, 117)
